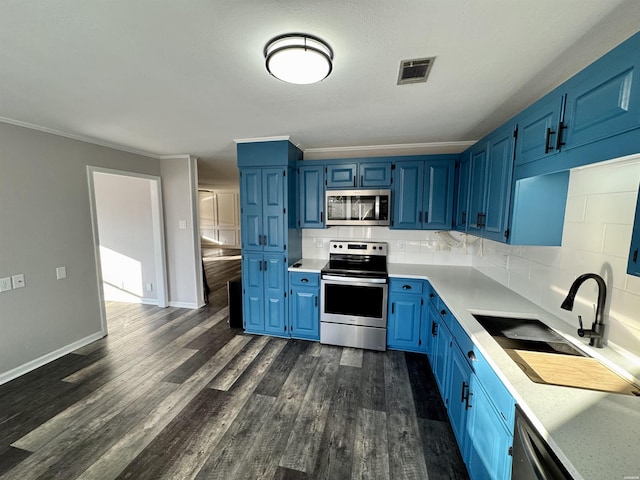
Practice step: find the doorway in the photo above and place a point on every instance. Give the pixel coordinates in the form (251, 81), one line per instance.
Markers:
(128, 233)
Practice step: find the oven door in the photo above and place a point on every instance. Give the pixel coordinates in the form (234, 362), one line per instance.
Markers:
(354, 300)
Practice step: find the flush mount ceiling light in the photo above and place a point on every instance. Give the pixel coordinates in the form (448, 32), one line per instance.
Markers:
(298, 58)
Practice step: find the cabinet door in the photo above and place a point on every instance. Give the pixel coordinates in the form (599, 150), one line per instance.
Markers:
(275, 305)
(478, 176)
(253, 292)
(311, 196)
(462, 195)
(403, 328)
(603, 100)
(274, 190)
(304, 313)
(342, 176)
(251, 208)
(375, 175)
(432, 327)
(459, 394)
(633, 267)
(407, 195)
(499, 176)
(438, 194)
(538, 129)
(442, 358)
(488, 440)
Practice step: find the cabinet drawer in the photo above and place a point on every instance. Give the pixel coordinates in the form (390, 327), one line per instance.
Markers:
(304, 279)
(404, 285)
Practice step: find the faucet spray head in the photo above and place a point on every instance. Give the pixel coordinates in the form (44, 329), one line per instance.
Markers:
(568, 303)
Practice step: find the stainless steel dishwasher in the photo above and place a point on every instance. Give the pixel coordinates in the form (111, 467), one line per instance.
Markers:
(533, 459)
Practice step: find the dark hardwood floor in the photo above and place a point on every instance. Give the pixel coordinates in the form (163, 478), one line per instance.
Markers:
(175, 393)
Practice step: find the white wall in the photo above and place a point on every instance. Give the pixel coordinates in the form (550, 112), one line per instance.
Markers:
(597, 237)
(45, 222)
(127, 250)
(184, 259)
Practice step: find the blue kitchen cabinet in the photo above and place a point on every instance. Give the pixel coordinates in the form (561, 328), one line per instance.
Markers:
(407, 195)
(264, 293)
(304, 310)
(489, 441)
(405, 315)
(423, 194)
(366, 174)
(262, 208)
(498, 184)
(477, 181)
(437, 204)
(311, 196)
(375, 175)
(633, 266)
(342, 175)
(603, 100)
(460, 395)
(461, 194)
(441, 344)
(539, 129)
(490, 185)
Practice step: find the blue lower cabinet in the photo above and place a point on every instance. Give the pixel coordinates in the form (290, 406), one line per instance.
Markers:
(304, 306)
(264, 293)
(406, 324)
(489, 441)
(460, 395)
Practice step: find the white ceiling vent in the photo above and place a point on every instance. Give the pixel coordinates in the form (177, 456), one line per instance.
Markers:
(415, 71)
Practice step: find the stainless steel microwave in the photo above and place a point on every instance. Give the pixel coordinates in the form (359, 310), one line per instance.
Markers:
(358, 207)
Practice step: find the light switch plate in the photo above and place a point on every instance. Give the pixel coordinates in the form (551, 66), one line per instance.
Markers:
(182, 224)
(61, 272)
(5, 284)
(18, 280)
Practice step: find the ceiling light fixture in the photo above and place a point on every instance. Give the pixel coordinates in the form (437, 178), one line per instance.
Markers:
(298, 58)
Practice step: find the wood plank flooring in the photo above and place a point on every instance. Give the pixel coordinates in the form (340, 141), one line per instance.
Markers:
(175, 393)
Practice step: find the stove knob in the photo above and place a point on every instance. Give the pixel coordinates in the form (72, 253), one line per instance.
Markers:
(340, 246)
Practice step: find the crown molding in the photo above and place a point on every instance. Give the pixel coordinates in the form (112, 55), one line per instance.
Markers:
(267, 139)
(79, 138)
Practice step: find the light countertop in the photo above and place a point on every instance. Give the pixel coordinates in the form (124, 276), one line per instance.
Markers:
(308, 265)
(595, 434)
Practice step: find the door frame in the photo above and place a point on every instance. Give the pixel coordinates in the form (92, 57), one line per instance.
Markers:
(157, 218)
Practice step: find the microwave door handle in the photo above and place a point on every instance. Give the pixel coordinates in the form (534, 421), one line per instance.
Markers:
(377, 208)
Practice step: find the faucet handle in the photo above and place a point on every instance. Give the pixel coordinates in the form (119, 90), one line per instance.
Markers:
(581, 329)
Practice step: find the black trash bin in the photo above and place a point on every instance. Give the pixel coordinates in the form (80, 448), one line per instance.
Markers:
(234, 293)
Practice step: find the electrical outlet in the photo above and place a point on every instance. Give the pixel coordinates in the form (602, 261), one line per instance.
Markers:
(149, 286)
(18, 280)
(402, 245)
(5, 284)
(319, 243)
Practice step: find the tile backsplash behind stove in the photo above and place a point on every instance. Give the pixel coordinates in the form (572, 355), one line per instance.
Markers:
(405, 246)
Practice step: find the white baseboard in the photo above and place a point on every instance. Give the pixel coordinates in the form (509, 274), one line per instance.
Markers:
(149, 301)
(49, 357)
(193, 306)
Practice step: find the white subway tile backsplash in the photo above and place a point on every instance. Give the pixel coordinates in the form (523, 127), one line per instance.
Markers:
(575, 208)
(611, 208)
(583, 236)
(617, 240)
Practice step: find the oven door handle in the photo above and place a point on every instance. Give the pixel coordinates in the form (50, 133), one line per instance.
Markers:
(337, 278)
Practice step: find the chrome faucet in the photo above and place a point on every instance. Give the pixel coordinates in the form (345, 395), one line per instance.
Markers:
(596, 333)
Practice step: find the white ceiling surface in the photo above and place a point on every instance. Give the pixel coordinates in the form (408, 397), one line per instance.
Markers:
(187, 77)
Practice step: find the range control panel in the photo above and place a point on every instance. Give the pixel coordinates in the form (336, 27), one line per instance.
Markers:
(358, 248)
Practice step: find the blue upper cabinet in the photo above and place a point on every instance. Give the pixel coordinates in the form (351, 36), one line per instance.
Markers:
(370, 173)
(477, 186)
(262, 199)
(407, 195)
(376, 175)
(438, 194)
(423, 194)
(634, 260)
(344, 175)
(538, 128)
(603, 100)
(311, 196)
(461, 194)
(499, 177)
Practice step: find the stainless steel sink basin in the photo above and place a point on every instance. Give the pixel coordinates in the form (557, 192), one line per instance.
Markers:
(527, 334)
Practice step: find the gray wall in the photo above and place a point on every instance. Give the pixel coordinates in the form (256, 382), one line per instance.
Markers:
(45, 222)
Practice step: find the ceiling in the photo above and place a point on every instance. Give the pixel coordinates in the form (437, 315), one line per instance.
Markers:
(166, 77)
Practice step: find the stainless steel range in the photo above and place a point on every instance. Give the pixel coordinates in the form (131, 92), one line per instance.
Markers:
(353, 297)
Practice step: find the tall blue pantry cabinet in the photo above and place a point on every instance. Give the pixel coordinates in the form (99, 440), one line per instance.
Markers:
(270, 238)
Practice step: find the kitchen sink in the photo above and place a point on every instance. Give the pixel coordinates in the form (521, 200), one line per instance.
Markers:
(527, 334)
(547, 357)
